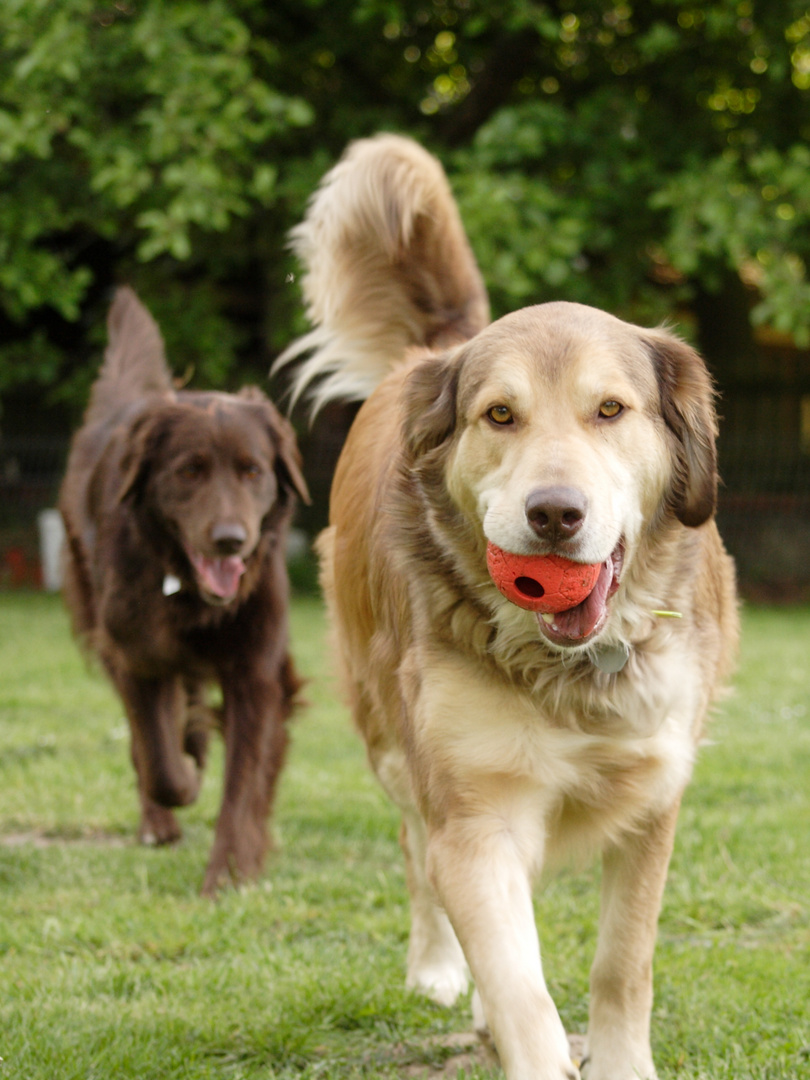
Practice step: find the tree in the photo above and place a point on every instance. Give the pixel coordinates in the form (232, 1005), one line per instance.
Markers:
(128, 136)
(635, 157)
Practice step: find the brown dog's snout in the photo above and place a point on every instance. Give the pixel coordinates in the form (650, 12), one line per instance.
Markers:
(556, 513)
(228, 537)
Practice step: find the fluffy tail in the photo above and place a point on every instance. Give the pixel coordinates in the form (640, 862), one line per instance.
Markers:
(135, 360)
(388, 267)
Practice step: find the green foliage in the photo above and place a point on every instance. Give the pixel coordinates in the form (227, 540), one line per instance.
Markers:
(752, 213)
(648, 150)
(137, 127)
(158, 113)
(620, 155)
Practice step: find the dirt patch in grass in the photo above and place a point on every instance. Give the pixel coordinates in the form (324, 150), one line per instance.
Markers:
(450, 1054)
(37, 839)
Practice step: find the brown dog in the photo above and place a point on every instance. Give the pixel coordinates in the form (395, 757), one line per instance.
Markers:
(176, 507)
(513, 740)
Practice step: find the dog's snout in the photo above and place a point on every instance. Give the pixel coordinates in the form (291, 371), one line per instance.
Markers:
(556, 513)
(228, 537)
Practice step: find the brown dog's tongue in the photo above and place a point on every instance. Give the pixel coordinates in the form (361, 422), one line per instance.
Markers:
(219, 576)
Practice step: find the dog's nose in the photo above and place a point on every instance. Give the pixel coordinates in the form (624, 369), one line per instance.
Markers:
(556, 513)
(228, 537)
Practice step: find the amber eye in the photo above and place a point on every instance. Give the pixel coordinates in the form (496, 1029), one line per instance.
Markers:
(500, 414)
(610, 409)
(249, 470)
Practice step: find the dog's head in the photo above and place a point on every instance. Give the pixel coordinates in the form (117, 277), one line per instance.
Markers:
(563, 430)
(214, 472)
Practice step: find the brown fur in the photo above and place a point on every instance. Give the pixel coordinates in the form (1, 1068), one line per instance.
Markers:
(155, 478)
(507, 747)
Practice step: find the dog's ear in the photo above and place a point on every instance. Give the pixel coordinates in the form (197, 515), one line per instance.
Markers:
(144, 439)
(687, 405)
(430, 403)
(282, 434)
(289, 458)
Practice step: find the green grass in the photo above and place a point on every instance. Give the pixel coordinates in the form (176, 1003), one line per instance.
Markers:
(111, 965)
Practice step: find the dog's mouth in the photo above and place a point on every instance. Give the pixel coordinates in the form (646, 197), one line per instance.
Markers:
(217, 578)
(578, 625)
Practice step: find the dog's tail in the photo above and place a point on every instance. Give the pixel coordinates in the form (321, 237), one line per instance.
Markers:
(387, 267)
(135, 360)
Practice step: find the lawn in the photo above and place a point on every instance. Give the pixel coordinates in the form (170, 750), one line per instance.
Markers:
(113, 968)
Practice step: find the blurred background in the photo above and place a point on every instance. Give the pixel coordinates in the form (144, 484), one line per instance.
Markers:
(652, 159)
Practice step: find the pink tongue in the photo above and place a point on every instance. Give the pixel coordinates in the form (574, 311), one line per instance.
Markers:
(219, 576)
(581, 621)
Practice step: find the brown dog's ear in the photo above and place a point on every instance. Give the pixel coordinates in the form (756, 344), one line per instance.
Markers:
(687, 405)
(430, 403)
(144, 438)
(289, 457)
(283, 436)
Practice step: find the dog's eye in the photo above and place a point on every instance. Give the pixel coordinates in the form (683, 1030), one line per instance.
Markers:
(610, 409)
(191, 470)
(501, 414)
(249, 470)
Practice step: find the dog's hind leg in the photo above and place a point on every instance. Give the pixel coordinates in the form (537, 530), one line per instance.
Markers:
(436, 964)
(201, 718)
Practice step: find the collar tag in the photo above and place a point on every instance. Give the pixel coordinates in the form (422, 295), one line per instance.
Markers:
(171, 585)
(611, 658)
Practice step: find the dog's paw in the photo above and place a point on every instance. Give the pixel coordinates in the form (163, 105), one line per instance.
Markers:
(570, 1062)
(600, 1069)
(158, 825)
(613, 1055)
(442, 982)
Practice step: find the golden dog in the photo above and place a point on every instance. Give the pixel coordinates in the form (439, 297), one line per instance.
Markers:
(512, 741)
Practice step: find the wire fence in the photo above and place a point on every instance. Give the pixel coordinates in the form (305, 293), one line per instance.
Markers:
(764, 509)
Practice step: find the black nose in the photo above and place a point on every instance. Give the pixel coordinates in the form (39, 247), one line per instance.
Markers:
(556, 513)
(228, 537)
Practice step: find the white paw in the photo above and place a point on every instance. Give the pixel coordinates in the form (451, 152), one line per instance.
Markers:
(614, 1061)
(443, 982)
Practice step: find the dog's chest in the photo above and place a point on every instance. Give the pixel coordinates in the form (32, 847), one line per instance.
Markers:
(154, 634)
(487, 740)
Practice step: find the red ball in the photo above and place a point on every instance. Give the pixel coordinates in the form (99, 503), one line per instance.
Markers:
(545, 583)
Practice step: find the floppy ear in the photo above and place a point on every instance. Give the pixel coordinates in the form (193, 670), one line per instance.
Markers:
(143, 442)
(288, 461)
(289, 458)
(687, 405)
(430, 404)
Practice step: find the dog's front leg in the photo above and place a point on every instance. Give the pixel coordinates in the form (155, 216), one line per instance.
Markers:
(166, 776)
(255, 708)
(483, 881)
(633, 877)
